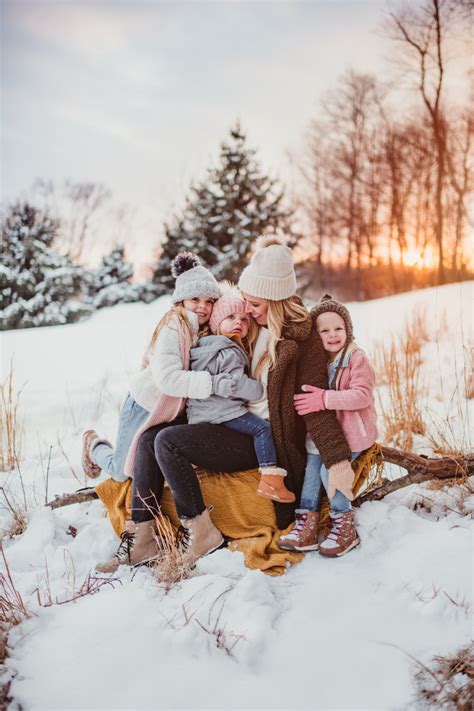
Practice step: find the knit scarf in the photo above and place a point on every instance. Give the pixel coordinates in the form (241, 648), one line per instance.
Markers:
(167, 408)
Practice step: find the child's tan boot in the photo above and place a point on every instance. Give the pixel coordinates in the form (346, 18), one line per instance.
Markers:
(272, 485)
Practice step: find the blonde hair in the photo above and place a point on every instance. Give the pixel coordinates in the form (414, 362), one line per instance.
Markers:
(280, 314)
(177, 310)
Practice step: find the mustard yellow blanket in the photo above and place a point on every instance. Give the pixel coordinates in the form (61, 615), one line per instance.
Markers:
(247, 519)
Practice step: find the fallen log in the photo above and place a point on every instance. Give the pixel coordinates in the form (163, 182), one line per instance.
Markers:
(420, 469)
(77, 497)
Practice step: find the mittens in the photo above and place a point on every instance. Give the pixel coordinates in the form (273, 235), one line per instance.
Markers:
(341, 477)
(312, 400)
(223, 385)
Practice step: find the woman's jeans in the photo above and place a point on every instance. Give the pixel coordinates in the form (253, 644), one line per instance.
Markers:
(167, 452)
(261, 432)
(112, 460)
(316, 476)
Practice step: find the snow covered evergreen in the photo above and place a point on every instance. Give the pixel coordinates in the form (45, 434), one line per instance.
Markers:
(225, 213)
(110, 283)
(38, 286)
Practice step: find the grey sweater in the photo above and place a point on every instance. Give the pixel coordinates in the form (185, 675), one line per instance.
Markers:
(221, 355)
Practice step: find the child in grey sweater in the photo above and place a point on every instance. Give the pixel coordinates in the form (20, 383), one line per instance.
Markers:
(224, 356)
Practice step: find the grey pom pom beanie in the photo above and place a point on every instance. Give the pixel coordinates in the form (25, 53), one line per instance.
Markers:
(192, 280)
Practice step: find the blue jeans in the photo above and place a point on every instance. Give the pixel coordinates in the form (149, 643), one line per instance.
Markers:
(315, 477)
(112, 460)
(261, 432)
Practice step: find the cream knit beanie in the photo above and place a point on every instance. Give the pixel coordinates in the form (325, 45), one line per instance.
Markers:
(270, 274)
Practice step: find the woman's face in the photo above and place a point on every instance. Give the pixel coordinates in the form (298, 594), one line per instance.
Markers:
(201, 306)
(257, 308)
(237, 324)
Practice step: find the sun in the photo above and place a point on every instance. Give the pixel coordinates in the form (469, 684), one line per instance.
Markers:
(413, 258)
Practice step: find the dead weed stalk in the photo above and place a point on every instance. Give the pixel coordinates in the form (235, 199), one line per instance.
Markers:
(11, 430)
(398, 367)
(448, 683)
(171, 566)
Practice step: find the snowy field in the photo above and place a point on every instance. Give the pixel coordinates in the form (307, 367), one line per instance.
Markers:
(329, 634)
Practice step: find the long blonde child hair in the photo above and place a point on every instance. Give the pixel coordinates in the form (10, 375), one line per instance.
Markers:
(280, 315)
(177, 310)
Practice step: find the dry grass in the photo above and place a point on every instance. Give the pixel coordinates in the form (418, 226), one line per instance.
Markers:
(469, 384)
(12, 611)
(398, 367)
(19, 520)
(171, 566)
(11, 430)
(449, 683)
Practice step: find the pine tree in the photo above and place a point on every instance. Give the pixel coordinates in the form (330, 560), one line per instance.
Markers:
(37, 284)
(225, 213)
(110, 283)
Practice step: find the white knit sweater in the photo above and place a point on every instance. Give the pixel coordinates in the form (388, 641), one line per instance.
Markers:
(165, 373)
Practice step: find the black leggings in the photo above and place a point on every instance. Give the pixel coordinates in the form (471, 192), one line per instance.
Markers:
(167, 451)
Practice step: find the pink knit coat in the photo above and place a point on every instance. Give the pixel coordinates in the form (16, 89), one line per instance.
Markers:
(354, 402)
(166, 407)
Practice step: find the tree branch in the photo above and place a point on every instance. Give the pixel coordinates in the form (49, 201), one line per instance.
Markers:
(420, 469)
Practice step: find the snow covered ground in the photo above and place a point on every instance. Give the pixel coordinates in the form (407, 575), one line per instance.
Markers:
(327, 635)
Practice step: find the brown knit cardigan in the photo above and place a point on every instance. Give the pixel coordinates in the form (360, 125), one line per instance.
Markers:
(301, 359)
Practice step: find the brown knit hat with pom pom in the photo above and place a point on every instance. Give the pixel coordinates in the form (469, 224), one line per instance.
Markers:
(327, 303)
(270, 274)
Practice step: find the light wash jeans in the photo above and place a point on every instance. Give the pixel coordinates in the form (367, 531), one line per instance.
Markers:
(112, 460)
(315, 477)
(261, 432)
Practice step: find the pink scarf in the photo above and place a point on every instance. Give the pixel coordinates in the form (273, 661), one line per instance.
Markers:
(167, 408)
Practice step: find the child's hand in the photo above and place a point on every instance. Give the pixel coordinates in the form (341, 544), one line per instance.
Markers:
(223, 385)
(311, 401)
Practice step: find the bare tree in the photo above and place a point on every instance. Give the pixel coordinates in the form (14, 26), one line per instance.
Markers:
(352, 113)
(460, 159)
(85, 201)
(422, 32)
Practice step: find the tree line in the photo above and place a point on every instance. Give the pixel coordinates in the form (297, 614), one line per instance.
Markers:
(383, 197)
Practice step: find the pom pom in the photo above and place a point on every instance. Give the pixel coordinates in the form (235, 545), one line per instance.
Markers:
(183, 262)
(227, 288)
(268, 241)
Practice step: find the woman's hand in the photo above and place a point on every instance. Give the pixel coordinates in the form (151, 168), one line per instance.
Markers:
(311, 401)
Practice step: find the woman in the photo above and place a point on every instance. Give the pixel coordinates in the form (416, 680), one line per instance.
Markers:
(288, 353)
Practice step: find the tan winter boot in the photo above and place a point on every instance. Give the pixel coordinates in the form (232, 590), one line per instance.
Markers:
(342, 535)
(272, 485)
(198, 537)
(304, 536)
(138, 546)
(89, 438)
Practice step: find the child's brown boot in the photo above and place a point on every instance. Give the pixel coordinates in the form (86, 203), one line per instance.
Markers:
(272, 485)
(304, 536)
(342, 536)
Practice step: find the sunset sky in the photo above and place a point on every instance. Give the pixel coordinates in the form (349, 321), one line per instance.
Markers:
(138, 95)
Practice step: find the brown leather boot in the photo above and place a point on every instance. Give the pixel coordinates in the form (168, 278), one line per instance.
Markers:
(272, 485)
(138, 546)
(198, 537)
(304, 536)
(342, 535)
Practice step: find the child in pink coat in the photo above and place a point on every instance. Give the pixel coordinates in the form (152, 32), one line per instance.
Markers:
(350, 394)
